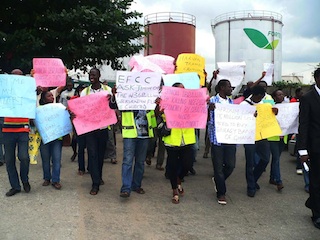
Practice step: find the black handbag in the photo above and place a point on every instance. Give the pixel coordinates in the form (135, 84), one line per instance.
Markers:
(163, 130)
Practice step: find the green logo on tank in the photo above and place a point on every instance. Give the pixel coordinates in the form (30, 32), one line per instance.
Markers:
(260, 40)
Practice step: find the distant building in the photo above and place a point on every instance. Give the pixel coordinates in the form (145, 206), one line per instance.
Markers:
(292, 78)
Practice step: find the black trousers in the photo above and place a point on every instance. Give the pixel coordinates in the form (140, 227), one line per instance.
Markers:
(179, 162)
(314, 187)
(96, 147)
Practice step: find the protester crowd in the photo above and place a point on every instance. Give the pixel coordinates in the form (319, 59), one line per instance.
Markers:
(143, 130)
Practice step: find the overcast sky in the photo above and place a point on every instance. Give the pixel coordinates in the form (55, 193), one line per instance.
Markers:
(300, 33)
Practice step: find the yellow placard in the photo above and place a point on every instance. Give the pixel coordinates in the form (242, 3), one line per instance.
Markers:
(266, 122)
(190, 62)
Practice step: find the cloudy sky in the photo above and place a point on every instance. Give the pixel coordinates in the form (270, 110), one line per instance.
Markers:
(300, 33)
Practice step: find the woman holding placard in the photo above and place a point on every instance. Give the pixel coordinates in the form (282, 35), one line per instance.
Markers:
(179, 149)
(50, 151)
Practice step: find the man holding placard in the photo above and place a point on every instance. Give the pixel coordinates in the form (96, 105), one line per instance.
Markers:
(260, 147)
(96, 140)
(136, 94)
(16, 133)
(223, 154)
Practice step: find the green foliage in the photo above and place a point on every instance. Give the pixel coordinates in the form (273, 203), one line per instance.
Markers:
(80, 32)
(286, 84)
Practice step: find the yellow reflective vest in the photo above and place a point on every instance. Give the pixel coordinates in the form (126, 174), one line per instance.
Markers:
(129, 129)
(177, 134)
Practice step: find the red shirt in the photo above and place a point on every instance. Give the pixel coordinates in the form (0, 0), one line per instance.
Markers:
(15, 125)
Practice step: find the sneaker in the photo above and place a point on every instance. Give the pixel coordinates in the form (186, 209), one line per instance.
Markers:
(222, 200)
(26, 187)
(299, 171)
(12, 192)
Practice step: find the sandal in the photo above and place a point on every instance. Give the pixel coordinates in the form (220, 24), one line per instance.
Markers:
(94, 191)
(81, 173)
(175, 199)
(180, 190)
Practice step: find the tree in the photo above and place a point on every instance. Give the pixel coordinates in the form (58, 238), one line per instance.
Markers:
(80, 32)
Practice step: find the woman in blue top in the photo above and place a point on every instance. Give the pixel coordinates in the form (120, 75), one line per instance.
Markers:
(50, 151)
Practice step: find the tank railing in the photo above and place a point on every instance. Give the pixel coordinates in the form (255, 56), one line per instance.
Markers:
(247, 14)
(170, 17)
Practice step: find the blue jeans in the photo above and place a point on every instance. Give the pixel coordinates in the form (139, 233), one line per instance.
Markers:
(51, 152)
(11, 140)
(253, 173)
(133, 149)
(276, 148)
(223, 161)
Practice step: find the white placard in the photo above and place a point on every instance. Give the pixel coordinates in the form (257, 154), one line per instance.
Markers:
(235, 124)
(288, 117)
(232, 71)
(268, 68)
(137, 90)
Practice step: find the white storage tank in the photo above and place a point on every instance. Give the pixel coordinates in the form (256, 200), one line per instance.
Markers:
(254, 37)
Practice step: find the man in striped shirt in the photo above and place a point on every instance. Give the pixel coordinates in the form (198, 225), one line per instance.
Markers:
(16, 133)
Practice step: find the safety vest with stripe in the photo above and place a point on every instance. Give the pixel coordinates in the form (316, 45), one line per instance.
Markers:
(104, 87)
(175, 138)
(129, 129)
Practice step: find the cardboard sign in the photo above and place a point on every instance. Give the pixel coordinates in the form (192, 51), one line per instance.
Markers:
(189, 80)
(190, 62)
(235, 124)
(52, 121)
(92, 112)
(18, 96)
(232, 71)
(266, 122)
(137, 90)
(49, 72)
(184, 108)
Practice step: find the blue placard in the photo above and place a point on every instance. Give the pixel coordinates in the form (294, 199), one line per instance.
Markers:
(189, 80)
(52, 121)
(17, 96)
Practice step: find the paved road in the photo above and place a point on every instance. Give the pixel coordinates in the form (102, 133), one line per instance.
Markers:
(72, 213)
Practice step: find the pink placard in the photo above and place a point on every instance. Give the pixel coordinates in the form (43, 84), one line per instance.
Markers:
(164, 61)
(92, 112)
(49, 72)
(238, 100)
(184, 108)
